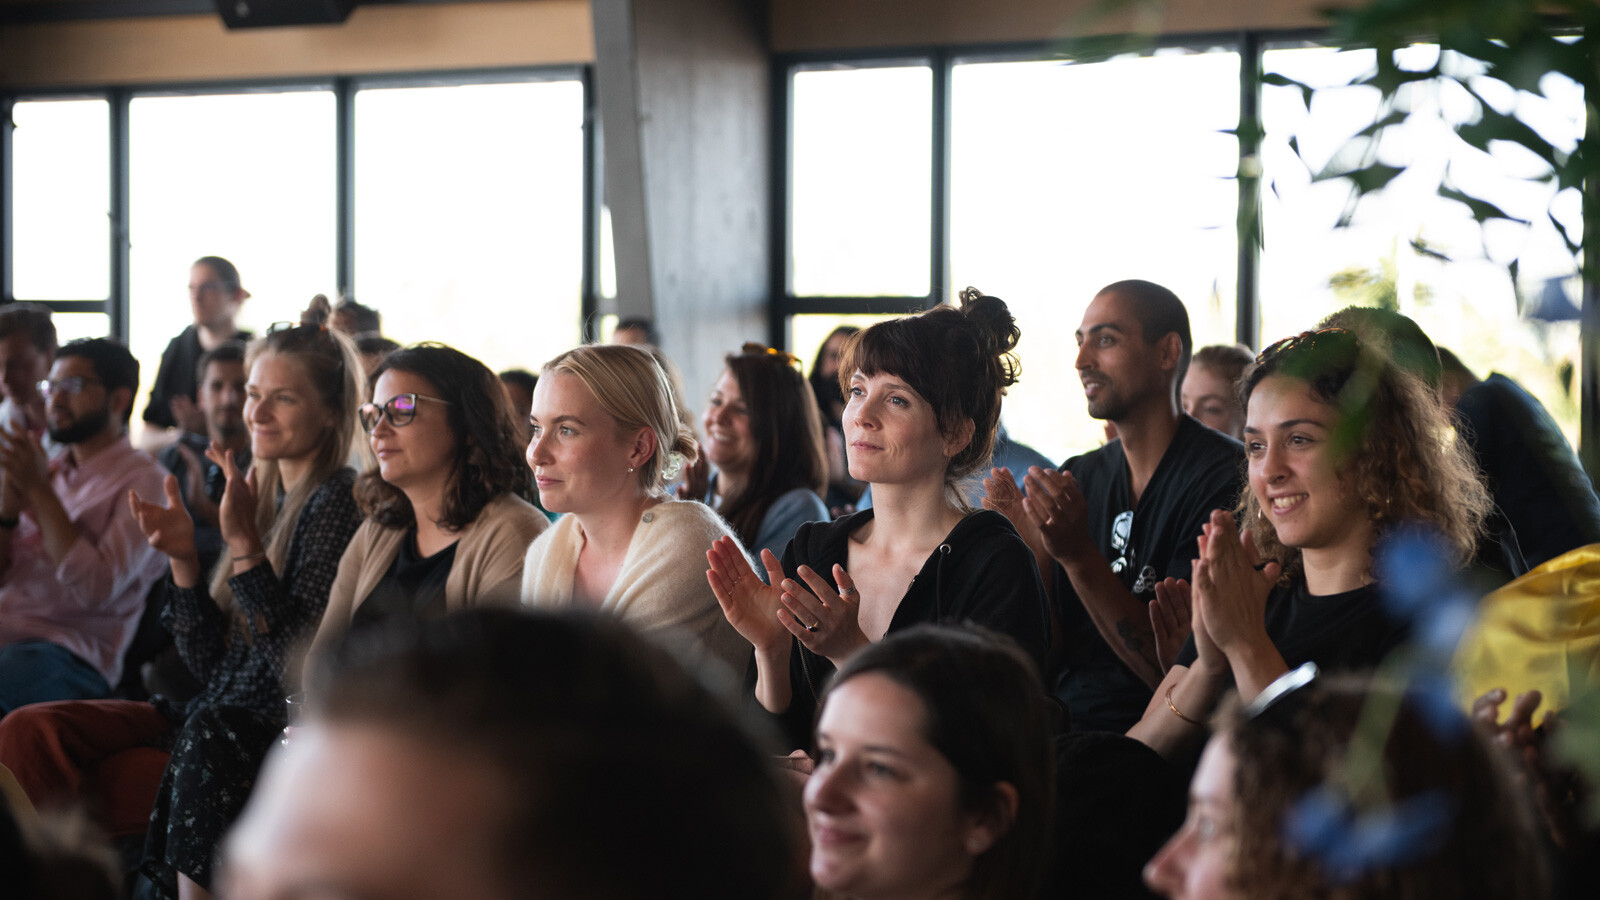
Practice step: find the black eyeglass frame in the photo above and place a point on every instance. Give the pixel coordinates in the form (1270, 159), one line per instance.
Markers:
(371, 414)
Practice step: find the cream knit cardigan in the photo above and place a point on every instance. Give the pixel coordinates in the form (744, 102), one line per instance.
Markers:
(661, 589)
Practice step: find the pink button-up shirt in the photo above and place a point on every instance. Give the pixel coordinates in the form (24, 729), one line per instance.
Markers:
(91, 602)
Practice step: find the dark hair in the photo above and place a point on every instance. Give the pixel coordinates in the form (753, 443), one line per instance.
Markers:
(1452, 365)
(1394, 334)
(370, 344)
(227, 273)
(1392, 440)
(957, 359)
(113, 365)
(787, 430)
(1160, 313)
(826, 387)
(30, 319)
(225, 352)
(1489, 846)
(488, 459)
(984, 712)
(364, 320)
(639, 323)
(521, 378)
(606, 744)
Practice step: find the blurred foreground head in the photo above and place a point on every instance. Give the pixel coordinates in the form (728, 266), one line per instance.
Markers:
(511, 754)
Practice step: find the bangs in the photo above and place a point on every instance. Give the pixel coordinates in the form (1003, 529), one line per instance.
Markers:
(887, 348)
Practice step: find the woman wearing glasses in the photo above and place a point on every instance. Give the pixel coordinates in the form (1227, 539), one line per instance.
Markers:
(448, 517)
(924, 396)
(606, 441)
(1342, 446)
(764, 436)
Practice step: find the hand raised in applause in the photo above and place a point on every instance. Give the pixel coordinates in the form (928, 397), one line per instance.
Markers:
(24, 463)
(1231, 585)
(1001, 494)
(194, 487)
(696, 479)
(169, 529)
(1055, 504)
(236, 514)
(1170, 619)
(827, 621)
(750, 606)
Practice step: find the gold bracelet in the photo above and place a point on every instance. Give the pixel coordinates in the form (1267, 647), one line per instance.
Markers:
(1175, 710)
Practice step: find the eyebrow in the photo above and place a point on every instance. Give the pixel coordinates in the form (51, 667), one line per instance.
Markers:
(1289, 424)
(558, 419)
(1106, 326)
(873, 748)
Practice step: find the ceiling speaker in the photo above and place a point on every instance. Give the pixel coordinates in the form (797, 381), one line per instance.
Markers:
(272, 13)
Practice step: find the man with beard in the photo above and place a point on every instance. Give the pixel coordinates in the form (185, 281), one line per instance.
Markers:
(1115, 522)
(74, 566)
(221, 377)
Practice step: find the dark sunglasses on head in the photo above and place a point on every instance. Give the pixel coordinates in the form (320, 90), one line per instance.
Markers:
(1308, 340)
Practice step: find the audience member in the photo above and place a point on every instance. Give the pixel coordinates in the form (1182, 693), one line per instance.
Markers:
(518, 385)
(221, 401)
(1536, 479)
(499, 754)
(27, 350)
(1009, 454)
(74, 569)
(1114, 522)
(356, 320)
(843, 491)
(448, 519)
(215, 295)
(636, 332)
(934, 774)
(1210, 391)
(1301, 795)
(373, 348)
(924, 402)
(764, 436)
(1343, 445)
(606, 439)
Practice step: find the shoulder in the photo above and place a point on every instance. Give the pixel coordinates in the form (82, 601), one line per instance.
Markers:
(684, 517)
(1204, 447)
(335, 495)
(506, 517)
(1100, 459)
(814, 539)
(802, 501)
(984, 529)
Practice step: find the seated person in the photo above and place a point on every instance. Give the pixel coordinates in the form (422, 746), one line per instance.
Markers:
(606, 441)
(1343, 446)
(27, 350)
(74, 568)
(764, 436)
(355, 319)
(1459, 826)
(960, 713)
(518, 385)
(452, 760)
(215, 295)
(448, 519)
(924, 402)
(1211, 388)
(221, 402)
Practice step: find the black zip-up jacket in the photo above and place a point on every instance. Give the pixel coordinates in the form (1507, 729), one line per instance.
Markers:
(981, 573)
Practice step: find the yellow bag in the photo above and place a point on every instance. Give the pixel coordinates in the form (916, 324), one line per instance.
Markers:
(1541, 631)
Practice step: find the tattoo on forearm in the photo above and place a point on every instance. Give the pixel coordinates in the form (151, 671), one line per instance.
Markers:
(1130, 639)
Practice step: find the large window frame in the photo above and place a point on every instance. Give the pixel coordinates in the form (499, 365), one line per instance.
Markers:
(1250, 45)
(117, 302)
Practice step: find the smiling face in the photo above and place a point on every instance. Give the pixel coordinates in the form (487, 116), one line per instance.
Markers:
(1209, 397)
(284, 411)
(883, 804)
(892, 434)
(419, 457)
(334, 816)
(729, 444)
(1296, 480)
(1121, 373)
(1195, 863)
(581, 462)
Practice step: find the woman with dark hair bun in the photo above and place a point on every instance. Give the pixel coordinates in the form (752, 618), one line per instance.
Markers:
(448, 517)
(935, 772)
(924, 405)
(765, 438)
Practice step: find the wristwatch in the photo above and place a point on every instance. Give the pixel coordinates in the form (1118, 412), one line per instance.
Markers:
(9, 523)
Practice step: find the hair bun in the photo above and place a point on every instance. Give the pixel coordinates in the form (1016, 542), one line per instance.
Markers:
(995, 329)
(318, 312)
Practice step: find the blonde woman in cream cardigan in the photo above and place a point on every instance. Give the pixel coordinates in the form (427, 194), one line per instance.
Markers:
(606, 439)
(448, 517)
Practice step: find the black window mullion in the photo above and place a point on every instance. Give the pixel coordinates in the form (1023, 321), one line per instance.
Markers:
(593, 191)
(118, 302)
(939, 252)
(344, 204)
(6, 230)
(1247, 318)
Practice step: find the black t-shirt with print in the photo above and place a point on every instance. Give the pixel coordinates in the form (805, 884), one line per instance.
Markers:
(1202, 470)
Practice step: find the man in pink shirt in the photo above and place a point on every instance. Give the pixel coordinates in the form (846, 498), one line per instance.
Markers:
(74, 567)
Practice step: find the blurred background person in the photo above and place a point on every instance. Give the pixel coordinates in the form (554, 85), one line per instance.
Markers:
(215, 295)
(1210, 389)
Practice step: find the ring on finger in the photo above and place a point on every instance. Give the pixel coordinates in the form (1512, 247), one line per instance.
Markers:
(846, 593)
(813, 628)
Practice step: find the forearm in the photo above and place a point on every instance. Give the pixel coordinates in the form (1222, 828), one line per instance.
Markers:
(773, 689)
(1121, 618)
(1174, 721)
(56, 529)
(1255, 665)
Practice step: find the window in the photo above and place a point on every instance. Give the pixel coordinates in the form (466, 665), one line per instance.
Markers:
(469, 216)
(62, 236)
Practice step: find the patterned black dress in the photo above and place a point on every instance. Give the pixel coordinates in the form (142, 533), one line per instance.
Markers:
(225, 732)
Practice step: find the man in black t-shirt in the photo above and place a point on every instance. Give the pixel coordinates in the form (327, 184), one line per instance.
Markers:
(215, 295)
(1116, 521)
